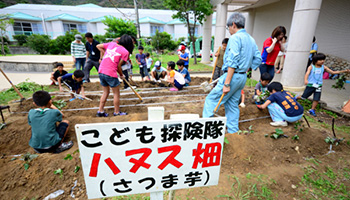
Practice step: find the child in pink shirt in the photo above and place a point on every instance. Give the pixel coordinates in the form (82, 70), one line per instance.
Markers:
(114, 56)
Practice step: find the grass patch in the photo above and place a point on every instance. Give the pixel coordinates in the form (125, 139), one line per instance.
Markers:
(326, 184)
(199, 67)
(26, 88)
(252, 187)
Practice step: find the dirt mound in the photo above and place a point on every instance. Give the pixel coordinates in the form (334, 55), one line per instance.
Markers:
(249, 152)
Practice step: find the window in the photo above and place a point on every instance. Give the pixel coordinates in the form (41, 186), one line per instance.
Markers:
(155, 28)
(192, 31)
(27, 28)
(69, 27)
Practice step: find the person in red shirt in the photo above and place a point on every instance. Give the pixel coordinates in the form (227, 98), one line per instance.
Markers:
(271, 47)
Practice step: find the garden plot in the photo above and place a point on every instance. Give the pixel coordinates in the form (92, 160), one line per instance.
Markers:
(252, 152)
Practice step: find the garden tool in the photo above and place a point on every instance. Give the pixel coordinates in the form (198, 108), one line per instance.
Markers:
(75, 94)
(14, 87)
(133, 89)
(217, 106)
(207, 86)
(216, 61)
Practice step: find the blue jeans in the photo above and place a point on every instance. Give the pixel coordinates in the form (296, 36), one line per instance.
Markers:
(267, 68)
(277, 114)
(230, 100)
(79, 63)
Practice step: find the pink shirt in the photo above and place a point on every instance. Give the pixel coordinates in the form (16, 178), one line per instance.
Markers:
(111, 59)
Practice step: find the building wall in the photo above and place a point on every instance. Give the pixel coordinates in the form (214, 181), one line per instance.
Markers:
(180, 31)
(92, 28)
(57, 28)
(170, 29)
(332, 31)
(145, 29)
(101, 28)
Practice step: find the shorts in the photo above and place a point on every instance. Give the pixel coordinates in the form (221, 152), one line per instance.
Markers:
(149, 70)
(312, 90)
(144, 71)
(61, 130)
(178, 85)
(186, 66)
(129, 71)
(106, 81)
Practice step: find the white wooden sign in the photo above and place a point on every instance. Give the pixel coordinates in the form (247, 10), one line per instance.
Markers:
(142, 157)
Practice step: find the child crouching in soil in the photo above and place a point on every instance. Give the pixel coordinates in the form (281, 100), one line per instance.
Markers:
(46, 136)
(74, 82)
(59, 72)
(176, 79)
(282, 106)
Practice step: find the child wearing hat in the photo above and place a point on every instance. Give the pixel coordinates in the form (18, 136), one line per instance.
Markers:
(184, 56)
(158, 72)
(78, 52)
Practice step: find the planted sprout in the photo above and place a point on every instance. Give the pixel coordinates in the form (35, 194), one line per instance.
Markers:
(59, 171)
(335, 141)
(339, 82)
(295, 137)
(278, 133)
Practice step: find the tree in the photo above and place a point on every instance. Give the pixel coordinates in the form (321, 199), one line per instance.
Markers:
(163, 41)
(198, 9)
(39, 43)
(118, 27)
(4, 23)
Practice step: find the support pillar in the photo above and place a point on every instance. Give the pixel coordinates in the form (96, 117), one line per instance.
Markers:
(220, 27)
(249, 27)
(303, 28)
(206, 42)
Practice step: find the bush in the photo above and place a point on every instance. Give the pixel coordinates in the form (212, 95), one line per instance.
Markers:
(61, 45)
(163, 41)
(118, 27)
(39, 43)
(100, 38)
(21, 39)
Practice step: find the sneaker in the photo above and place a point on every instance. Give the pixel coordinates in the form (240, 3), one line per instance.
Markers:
(312, 112)
(120, 113)
(174, 89)
(280, 123)
(72, 99)
(127, 89)
(101, 114)
(64, 146)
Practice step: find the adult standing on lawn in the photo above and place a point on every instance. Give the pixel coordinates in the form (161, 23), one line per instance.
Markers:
(93, 58)
(271, 47)
(241, 54)
(78, 52)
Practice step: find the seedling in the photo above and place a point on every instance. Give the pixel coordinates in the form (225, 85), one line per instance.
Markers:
(77, 168)
(266, 135)
(59, 104)
(262, 97)
(28, 158)
(339, 83)
(295, 137)
(332, 141)
(278, 133)
(250, 129)
(226, 141)
(298, 127)
(59, 171)
(68, 157)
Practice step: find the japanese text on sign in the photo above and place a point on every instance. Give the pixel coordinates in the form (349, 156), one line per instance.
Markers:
(142, 157)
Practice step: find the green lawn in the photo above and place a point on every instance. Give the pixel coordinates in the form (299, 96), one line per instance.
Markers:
(164, 59)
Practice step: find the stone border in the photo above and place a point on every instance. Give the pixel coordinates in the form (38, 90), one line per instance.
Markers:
(27, 66)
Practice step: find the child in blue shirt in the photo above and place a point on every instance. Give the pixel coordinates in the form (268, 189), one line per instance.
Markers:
(184, 56)
(141, 61)
(314, 78)
(181, 65)
(74, 81)
(282, 106)
(46, 136)
(261, 88)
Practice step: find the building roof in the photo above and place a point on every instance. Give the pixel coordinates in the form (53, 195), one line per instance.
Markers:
(178, 21)
(99, 19)
(150, 20)
(66, 17)
(23, 16)
(91, 5)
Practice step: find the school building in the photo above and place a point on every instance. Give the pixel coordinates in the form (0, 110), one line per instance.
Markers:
(55, 20)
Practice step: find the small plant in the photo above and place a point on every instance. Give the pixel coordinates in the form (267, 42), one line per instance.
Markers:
(28, 158)
(298, 126)
(295, 137)
(278, 133)
(59, 104)
(262, 97)
(335, 141)
(77, 168)
(339, 83)
(250, 129)
(59, 171)
(226, 141)
(68, 157)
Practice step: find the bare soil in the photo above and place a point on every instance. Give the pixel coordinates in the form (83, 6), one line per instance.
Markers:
(282, 160)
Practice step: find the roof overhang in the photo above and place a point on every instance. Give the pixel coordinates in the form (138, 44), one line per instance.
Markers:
(257, 4)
